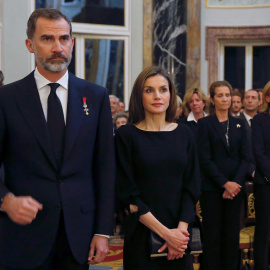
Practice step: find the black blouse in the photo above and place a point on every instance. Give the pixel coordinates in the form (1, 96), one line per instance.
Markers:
(158, 172)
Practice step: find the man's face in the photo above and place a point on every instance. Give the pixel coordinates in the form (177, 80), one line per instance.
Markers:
(236, 104)
(121, 106)
(114, 105)
(52, 45)
(251, 101)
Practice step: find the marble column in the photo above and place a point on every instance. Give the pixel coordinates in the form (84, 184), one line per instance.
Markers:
(169, 39)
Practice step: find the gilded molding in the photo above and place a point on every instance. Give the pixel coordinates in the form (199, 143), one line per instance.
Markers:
(216, 34)
(147, 33)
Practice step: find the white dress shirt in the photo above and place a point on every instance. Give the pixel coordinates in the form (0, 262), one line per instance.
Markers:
(44, 90)
(191, 116)
(236, 114)
(248, 118)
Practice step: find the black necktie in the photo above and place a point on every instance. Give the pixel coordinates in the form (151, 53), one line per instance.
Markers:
(56, 123)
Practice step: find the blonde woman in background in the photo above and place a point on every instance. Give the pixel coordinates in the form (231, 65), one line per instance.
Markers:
(179, 109)
(195, 106)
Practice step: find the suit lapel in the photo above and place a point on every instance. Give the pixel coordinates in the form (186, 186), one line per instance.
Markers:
(75, 113)
(219, 130)
(29, 104)
(235, 129)
(232, 126)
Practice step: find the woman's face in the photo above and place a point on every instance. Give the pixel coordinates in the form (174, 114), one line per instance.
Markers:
(196, 105)
(156, 95)
(222, 98)
(267, 97)
(120, 122)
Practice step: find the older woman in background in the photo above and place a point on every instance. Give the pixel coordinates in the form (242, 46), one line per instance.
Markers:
(224, 155)
(195, 106)
(261, 148)
(120, 119)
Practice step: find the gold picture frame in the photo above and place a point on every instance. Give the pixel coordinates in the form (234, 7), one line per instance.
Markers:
(234, 4)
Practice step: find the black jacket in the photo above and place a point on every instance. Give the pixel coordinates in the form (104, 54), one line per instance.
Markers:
(261, 147)
(219, 162)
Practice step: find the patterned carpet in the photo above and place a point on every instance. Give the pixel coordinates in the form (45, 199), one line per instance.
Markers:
(114, 261)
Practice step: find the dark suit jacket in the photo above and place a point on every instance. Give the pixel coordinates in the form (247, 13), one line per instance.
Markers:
(261, 147)
(252, 165)
(84, 187)
(220, 163)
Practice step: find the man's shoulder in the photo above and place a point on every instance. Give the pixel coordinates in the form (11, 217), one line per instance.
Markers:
(13, 88)
(261, 116)
(207, 119)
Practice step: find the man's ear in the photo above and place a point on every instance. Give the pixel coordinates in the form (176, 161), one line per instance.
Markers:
(73, 40)
(29, 45)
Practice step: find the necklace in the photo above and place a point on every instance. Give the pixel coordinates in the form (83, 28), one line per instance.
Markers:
(227, 133)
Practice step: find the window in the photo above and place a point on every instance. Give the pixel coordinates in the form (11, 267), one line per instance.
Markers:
(260, 66)
(102, 60)
(102, 41)
(244, 64)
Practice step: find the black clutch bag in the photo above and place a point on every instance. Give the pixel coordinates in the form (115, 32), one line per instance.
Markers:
(156, 242)
(195, 242)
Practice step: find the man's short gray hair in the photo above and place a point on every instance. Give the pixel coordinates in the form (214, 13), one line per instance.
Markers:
(113, 96)
(48, 13)
(120, 115)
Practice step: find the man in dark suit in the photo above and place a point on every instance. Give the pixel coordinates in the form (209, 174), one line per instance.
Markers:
(1, 78)
(57, 148)
(2, 175)
(236, 103)
(251, 104)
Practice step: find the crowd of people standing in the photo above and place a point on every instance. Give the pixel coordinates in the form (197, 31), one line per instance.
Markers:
(158, 165)
(56, 145)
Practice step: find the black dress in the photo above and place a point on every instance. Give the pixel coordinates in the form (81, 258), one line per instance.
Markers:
(158, 172)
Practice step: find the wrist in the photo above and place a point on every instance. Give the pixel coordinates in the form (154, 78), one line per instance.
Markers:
(226, 184)
(183, 225)
(5, 200)
(163, 232)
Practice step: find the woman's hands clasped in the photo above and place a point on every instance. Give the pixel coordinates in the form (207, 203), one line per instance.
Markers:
(231, 190)
(176, 242)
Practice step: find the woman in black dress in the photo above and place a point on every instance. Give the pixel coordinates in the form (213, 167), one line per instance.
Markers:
(158, 174)
(223, 153)
(261, 149)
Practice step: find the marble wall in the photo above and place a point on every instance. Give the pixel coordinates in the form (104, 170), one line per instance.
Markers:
(169, 39)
